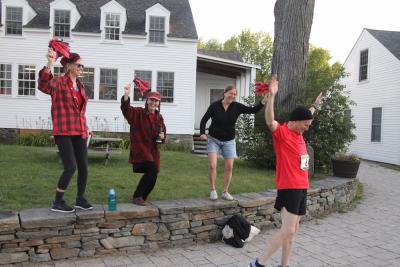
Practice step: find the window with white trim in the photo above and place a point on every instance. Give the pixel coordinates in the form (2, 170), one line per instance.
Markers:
(157, 30)
(376, 125)
(144, 76)
(363, 73)
(26, 80)
(112, 26)
(87, 78)
(62, 23)
(165, 85)
(5, 79)
(14, 20)
(108, 84)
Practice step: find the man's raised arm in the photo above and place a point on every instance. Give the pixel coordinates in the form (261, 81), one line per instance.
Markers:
(316, 103)
(269, 109)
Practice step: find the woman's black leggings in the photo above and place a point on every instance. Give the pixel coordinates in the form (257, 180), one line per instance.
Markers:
(148, 180)
(73, 153)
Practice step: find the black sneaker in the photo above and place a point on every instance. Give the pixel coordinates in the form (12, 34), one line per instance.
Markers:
(255, 264)
(82, 204)
(61, 207)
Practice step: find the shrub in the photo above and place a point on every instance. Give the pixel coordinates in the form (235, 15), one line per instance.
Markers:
(348, 157)
(125, 143)
(254, 143)
(331, 130)
(41, 139)
(173, 145)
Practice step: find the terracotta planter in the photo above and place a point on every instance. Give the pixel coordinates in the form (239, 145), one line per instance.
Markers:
(345, 168)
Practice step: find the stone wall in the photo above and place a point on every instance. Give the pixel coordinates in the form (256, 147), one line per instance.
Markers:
(37, 235)
(8, 136)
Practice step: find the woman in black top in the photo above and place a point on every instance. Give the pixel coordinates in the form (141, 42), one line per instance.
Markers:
(221, 136)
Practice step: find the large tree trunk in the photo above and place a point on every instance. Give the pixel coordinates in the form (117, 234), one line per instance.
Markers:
(293, 20)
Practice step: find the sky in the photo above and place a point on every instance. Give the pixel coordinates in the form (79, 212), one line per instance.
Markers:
(336, 25)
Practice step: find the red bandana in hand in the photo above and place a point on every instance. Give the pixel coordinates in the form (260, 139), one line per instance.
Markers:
(61, 48)
(262, 88)
(142, 85)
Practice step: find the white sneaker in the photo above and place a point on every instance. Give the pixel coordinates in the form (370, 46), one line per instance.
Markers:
(213, 195)
(227, 196)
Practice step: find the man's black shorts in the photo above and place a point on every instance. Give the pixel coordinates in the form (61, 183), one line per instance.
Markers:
(294, 200)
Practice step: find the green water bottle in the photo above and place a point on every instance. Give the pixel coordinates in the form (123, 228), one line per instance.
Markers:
(112, 200)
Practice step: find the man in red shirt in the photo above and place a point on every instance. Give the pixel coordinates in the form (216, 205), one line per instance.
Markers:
(291, 173)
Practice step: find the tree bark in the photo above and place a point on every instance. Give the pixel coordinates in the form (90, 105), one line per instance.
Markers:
(293, 20)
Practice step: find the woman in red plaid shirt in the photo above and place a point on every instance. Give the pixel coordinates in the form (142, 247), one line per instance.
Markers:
(68, 106)
(147, 131)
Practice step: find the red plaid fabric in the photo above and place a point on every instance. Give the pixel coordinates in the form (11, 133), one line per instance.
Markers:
(143, 133)
(67, 118)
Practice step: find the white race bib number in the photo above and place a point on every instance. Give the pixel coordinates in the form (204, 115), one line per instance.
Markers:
(304, 159)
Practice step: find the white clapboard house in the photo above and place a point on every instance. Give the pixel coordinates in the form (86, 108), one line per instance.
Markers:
(374, 84)
(155, 40)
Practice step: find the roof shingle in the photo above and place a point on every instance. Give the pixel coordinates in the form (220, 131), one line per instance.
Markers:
(389, 39)
(229, 55)
(181, 18)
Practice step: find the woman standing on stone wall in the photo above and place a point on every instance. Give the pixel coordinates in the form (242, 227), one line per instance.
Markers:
(221, 136)
(147, 132)
(68, 106)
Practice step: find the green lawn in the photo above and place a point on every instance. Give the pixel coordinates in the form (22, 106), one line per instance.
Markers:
(29, 176)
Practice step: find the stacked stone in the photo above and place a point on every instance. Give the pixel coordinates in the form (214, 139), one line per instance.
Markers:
(206, 217)
(37, 236)
(8, 135)
(11, 251)
(87, 226)
(129, 228)
(258, 208)
(328, 194)
(42, 235)
(315, 204)
(175, 223)
(201, 220)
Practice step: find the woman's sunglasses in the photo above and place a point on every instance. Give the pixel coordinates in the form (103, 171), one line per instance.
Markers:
(80, 66)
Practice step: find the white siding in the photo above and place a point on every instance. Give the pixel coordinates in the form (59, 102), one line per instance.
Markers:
(133, 54)
(382, 89)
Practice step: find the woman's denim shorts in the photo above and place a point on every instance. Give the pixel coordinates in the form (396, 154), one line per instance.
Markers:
(225, 148)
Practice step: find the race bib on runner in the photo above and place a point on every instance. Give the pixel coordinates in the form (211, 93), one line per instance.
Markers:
(304, 159)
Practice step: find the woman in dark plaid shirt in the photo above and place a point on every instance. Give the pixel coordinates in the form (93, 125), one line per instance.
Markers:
(147, 132)
(68, 106)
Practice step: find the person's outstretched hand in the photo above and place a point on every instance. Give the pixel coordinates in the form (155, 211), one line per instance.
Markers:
(127, 89)
(273, 86)
(203, 137)
(318, 100)
(51, 57)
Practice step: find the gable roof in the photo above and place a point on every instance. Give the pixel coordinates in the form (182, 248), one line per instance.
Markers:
(389, 39)
(230, 55)
(181, 18)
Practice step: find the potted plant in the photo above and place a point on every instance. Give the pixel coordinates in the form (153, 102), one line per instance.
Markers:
(345, 165)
